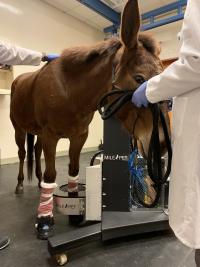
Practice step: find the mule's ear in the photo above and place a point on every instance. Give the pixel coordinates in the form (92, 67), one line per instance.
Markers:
(130, 24)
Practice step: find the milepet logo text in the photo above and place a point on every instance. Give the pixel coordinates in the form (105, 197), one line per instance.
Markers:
(116, 157)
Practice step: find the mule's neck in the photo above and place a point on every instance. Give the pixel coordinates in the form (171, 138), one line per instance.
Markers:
(88, 72)
(99, 80)
(107, 79)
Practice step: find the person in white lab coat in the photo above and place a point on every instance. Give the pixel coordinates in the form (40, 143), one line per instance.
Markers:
(15, 55)
(181, 80)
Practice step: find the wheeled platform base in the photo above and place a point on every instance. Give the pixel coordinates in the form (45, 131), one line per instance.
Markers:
(114, 225)
(121, 224)
(114, 202)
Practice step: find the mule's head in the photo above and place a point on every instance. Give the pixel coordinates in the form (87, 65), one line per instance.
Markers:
(137, 61)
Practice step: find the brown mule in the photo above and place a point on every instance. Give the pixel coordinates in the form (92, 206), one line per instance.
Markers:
(59, 100)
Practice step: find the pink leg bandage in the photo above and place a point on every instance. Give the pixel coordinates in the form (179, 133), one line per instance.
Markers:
(46, 200)
(73, 183)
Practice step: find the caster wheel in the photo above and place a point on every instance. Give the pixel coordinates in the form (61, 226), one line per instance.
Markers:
(76, 219)
(61, 259)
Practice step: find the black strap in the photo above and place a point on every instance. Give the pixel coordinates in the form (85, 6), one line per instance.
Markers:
(106, 109)
(154, 162)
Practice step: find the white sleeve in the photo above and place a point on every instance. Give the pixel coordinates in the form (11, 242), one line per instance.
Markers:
(15, 55)
(183, 75)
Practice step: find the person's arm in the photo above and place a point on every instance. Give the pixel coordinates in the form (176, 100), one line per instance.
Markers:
(15, 55)
(183, 75)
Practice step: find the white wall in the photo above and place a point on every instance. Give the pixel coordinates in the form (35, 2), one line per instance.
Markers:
(36, 25)
(167, 34)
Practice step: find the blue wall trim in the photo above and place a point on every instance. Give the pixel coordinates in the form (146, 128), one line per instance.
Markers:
(152, 23)
(162, 10)
(102, 9)
(162, 22)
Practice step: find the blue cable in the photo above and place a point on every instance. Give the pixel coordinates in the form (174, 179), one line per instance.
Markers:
(137, 173)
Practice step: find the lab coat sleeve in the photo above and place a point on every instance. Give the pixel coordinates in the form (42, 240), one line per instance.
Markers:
(183, 75)
(15, 55)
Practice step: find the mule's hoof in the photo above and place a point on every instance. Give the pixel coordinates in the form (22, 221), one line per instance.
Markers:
(72, 187)
(19, 190)
(76, 219)
(72, 190)
(45, 232)
(44, 227)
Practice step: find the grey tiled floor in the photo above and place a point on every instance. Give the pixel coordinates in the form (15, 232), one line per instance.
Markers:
(17, 219)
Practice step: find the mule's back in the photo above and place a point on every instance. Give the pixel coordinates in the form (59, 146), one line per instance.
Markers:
(55, 94)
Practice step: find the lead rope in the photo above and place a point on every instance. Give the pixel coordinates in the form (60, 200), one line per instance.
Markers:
(154, 154)
(154, 162)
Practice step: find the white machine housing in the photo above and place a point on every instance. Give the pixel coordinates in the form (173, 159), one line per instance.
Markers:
(88, 202)
(93, 193)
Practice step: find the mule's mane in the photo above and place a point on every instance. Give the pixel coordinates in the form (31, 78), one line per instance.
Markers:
(87, 55)
(149, 43)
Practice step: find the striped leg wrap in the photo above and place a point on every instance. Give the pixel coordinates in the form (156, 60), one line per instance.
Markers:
(73, 183)
(46, 200)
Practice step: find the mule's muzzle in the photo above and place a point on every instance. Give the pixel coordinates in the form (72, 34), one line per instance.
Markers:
(44, 227)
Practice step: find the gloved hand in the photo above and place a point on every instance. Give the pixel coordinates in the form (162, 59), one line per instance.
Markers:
(49, 57)
(139, 98)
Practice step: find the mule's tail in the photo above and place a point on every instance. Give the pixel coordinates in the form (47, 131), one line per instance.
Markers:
(30, 149)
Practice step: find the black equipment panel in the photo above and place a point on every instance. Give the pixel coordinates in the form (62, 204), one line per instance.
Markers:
(115, 172)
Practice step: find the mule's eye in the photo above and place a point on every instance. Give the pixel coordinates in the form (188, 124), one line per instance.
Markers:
(139, 79)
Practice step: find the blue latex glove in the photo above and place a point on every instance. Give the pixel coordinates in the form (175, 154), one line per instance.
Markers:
(139, 98)
(49, 57)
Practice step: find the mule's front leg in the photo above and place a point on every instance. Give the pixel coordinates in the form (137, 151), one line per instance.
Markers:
(45, 221)
(76, 144)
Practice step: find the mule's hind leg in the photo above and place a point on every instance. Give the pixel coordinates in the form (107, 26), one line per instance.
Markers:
(45, 210)
(38, 152)
(20, 141)
(76, 144)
